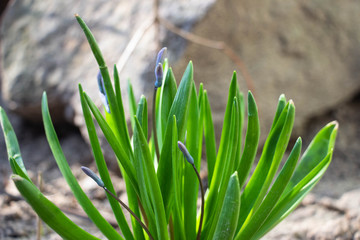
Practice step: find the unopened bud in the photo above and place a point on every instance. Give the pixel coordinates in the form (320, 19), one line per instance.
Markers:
(186, 153)
(91, 174)
(103, 92)
(158, 75)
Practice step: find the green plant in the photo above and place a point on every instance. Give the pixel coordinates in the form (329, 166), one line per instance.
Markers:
(162, 188)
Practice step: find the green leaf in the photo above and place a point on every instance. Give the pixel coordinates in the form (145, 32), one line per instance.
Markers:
(132, 103)
(292, 199)
(251, 140)
(297, 189)
(103, 170)
(211, 199)
(280, 107)
(273, 196)
(79, 194)
(49, 212)
(230, 211)
(17, 170)
(142, 115)
(143, 155)
(256, 183)
(218, 191)
(241, 112)
(279, 152)
(319, 147)
(179, 108)
(12, 145)
(91, 39)
(210, 142)
(123, 133)
(179, 229)
(167, 95)
(191, 188)
(122, 156)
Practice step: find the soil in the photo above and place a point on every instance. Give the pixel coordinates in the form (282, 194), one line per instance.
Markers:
(331, 211)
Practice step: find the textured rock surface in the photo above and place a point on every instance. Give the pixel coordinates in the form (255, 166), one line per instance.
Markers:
(43, 48)
(308, 50)
(322, 218)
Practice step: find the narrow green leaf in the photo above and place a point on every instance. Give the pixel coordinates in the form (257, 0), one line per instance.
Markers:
(123, 130)
(256, 182)
(167, 95)
(179, 108)
(241, 112)
(92, 42)
(210, 142)
(230, 211)
(49, 212)
(292, 199)
(143, 180)
(222, 153)
(120, 153)
(132, 103)
(12, 145)
(218, 191)
(17, 170)
(280, 107)
(251, 140)
(103, 170)
(273, 196)
(117, 113)
(279, 152)
(319, 147)
(226, 125)
(142, 115)
(153, 185)
(179, 230)
(191, 188)
(79, 194)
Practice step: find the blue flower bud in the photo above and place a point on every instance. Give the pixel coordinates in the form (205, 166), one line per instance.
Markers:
(103, 92)
(158, 68)
(158, 75)
(186, 153)
(159, 57)
(91, 174)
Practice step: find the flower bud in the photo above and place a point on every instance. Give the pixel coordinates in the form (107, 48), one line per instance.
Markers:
(158, 75)
(91, 174)
(159, 57)
(103, 92)
(186, 153)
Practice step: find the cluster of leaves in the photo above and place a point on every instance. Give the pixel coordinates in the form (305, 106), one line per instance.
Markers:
(162, 188)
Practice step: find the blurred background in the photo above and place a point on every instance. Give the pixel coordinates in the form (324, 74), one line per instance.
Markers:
(308, 50)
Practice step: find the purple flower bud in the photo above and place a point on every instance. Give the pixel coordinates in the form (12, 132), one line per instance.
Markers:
(91, 174)
(158, 75)
(103, 92)
(186, 153)
(158, 68)
(159, 57)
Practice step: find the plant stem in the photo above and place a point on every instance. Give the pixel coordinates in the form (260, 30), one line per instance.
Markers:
(130, 211)
(202, 202)
(171, 228)
(154, 126)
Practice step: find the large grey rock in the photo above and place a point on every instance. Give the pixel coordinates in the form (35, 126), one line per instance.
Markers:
(308, 50)
(43, 48)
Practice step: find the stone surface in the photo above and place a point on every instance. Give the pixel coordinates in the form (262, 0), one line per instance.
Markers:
(43, 48)
(325, 219)
(308, 50)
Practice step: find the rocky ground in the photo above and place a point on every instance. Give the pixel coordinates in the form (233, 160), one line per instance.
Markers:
(331, 211)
